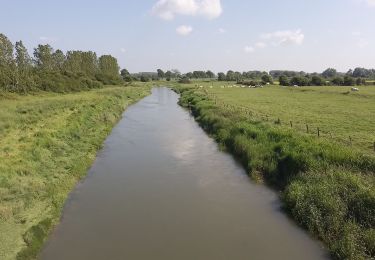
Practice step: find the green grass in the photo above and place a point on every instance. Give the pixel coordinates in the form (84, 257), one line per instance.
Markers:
(47, 143)
(326, 185)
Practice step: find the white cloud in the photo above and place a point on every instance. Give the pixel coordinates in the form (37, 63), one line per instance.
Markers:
(249, 49)
(362, 43)
(261, 45)
(287, 37)
(184, 30)
(168, 9)
(123, 50)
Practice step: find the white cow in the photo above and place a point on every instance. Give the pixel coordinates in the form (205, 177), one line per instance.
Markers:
(355, 89)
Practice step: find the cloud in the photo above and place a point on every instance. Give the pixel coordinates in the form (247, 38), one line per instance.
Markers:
(287, 37)
(123, 50)
(184, 30)
(249, 49)
(169, 9)
(261, 45)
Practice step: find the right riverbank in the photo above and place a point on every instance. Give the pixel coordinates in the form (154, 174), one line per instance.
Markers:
(326, 187)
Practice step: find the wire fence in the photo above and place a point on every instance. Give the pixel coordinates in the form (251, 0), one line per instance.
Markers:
(305, 128)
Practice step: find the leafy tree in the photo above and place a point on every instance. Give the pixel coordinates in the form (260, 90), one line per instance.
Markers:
(161, 73)
(168, 75)
(329, 73)
(7, 64)
(145, 78)
(266, 78)
(126, 75)
(299, 81)
(317, 81)
(221, 76)
(210, 74)
(24, 68)
(189, 75)
(349, 81)
(338, 81)
(284, 81)
(58, 60)
(43, 57)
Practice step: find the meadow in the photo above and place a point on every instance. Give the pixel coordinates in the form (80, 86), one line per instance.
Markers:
(327, 183)
(47, 143)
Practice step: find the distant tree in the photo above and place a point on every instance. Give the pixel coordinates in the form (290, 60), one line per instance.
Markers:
(168, 75)
(58, 59)
(284, 81)
(161, 73)
(190, 75)
(176, 73)
(266, 78)
(24, 64)
(349, 81)
(126, 75)
(7, 64)
(317, 81)
(329, 73)
(299, 81)
(145, 78)
(43, 57)
(338, 81)
(221, 76)
(210, 74)
(231, 76)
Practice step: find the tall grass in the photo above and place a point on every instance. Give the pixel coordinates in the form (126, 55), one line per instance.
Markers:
(326, 187)
(47, 142)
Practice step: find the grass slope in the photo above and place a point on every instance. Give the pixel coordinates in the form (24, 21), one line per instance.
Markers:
(47, 143)
(326, 186)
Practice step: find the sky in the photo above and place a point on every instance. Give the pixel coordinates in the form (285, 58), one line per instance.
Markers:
(242, 35)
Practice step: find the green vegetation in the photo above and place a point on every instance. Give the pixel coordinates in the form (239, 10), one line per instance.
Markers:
(51, 70)
(327, 184)
(47, 143)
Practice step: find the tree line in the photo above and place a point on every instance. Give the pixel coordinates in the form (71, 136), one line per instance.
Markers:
(53, 70)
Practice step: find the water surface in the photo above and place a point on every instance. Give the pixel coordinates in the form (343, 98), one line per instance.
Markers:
(161, 189)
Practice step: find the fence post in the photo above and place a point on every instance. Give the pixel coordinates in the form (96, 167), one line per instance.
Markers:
(291, 124)
(350, 140)
(318, 132)
(307, 128)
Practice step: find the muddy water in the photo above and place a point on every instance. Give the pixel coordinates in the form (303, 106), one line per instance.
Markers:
(161, 189)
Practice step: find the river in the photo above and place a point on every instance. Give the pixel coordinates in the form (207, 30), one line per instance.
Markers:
(161, 189)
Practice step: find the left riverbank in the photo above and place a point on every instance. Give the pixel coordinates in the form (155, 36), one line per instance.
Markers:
(47, 143)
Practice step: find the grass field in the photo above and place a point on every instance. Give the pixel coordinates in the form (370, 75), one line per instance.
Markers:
(47, 143)
(327, 184)
(341, 115)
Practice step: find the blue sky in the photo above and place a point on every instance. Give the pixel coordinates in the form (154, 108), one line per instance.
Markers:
(144, 35)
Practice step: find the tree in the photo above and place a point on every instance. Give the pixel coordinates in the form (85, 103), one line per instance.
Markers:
(161, 73)
(338, 81)
(7, 64)
(210, 74)
(109, 69)
(329, 73)
(126, 75)
(43, 57)
(221, 76)
(349, 81)
(284, 81)
(266, 78)
(24, 68)
(189, 75)
(317, 81)
(231, 76)
(58, 60)
(168, 75)
(299, 81)
(145, 78)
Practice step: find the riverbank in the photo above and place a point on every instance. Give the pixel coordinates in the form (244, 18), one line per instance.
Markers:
(47, 143)
(328, 188)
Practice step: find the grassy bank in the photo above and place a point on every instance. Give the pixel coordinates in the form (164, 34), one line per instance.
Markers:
(47, 143)
(327, 186)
